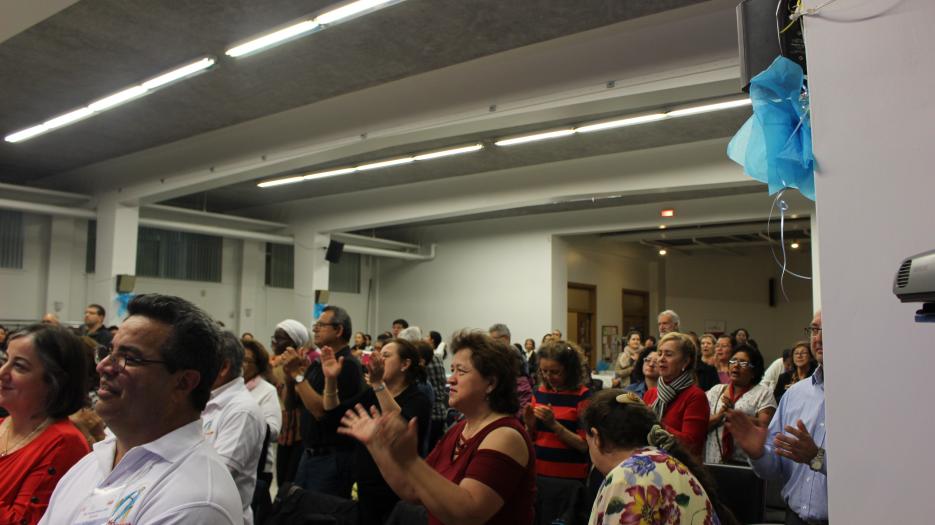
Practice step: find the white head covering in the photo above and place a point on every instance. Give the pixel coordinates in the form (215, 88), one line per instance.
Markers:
(412, 334)
(295, 330)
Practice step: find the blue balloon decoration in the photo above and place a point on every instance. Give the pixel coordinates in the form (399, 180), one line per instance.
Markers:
(775, 145)
(123, 299)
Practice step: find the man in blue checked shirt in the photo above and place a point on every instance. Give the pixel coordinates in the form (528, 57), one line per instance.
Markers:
(795, 451)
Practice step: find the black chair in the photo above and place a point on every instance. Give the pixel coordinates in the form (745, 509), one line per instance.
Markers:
(405, 513)
(740, 490)
(262, 503)
(561, 501)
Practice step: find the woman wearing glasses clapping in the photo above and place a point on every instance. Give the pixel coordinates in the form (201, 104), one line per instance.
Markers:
(743, 393)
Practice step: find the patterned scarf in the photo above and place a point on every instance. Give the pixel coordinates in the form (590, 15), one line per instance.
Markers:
(668, 392)
(727, 440)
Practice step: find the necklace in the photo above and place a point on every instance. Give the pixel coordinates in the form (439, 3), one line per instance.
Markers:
(7, 448)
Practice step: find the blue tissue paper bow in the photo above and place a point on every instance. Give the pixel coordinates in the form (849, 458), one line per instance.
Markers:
(123, 300)
(775, 145)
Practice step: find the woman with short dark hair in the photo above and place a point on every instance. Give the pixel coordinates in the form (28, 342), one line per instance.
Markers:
(483, 469)
(744, 393)
(650, 478)
(43, 382)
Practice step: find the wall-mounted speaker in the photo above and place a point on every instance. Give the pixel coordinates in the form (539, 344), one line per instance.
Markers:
(772, 291)
(335, 249)
(126, 283)
(322, 296)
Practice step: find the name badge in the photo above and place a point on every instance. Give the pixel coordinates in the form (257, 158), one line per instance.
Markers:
(108, 506)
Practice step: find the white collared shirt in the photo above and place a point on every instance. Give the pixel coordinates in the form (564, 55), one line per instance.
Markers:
(175, 479)
(234, 425)
(265, 395)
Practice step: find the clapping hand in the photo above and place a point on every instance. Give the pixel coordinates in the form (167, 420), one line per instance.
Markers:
(330, 366)
(376, 368)
(544, 412)
(292, 362)
(748, 436)
(797, 444)
(388, 431)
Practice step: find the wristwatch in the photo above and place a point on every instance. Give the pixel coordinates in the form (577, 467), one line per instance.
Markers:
(299, 378)
(818, 461)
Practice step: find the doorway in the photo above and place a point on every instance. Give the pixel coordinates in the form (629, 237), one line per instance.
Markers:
(635, 312)
(582, 317)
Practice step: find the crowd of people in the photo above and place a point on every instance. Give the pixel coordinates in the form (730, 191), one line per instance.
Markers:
(173, 419)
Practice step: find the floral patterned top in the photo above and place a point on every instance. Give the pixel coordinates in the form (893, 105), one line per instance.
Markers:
(652, 488)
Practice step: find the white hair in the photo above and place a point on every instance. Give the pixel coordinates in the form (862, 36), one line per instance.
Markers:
(670, 313)
(412, 334)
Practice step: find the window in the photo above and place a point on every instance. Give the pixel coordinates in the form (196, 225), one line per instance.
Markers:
(280, 265)
(345, 275)
(12, 233)
(178, 255)
(90, 254)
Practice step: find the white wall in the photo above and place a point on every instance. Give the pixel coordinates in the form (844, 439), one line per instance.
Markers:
(709, 285)
(23, 290)
(484, 272)
(592, 262)
(871, 80)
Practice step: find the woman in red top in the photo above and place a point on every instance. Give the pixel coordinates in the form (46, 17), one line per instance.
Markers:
(43, 381)
(483, 468)
(679, 404)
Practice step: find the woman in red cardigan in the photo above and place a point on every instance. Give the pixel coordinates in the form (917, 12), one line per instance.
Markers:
(43, 381)
(677, 401)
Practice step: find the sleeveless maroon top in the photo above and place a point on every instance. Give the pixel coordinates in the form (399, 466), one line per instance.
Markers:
(514, 483)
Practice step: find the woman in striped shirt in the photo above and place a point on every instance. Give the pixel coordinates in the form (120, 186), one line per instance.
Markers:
(552, 418)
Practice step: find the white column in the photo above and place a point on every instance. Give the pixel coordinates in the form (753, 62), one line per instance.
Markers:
(62, 257)
(252, 272)
(311, 272)
(117, 231)
(816, 269)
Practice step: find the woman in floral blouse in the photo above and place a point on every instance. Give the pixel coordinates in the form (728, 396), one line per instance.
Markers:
(650, 479)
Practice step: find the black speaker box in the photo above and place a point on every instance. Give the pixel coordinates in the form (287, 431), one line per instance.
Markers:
(335, 249)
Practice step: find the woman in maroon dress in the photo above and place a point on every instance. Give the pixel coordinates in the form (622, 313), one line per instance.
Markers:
(43, 381)
(483, 469)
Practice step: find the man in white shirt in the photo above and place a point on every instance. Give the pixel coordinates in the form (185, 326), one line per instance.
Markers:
(233, 422)
(157, 468)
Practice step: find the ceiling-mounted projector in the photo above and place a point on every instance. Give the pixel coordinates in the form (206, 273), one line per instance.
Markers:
(915, 283)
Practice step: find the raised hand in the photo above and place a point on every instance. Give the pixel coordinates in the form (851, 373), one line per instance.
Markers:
(330, 366)
(748, 436)
(360, 425)
(376, 368)
(797, 444)
(529, 417)
(545, 413)
(292, 362)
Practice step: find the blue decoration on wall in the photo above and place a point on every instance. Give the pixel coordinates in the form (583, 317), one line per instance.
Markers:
(775, 145)
(123, 299)
(318, 310)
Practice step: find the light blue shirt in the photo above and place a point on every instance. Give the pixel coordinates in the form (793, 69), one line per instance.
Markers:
(804, 490)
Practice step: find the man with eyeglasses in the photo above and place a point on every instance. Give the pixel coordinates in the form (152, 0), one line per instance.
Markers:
(326, 463)
(157, 468)
(792, 448)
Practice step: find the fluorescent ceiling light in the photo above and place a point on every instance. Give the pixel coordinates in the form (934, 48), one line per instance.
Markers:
(177, 74)
(67, 118)
(385, 163)
(331, 173)
(272, 39)
(449, 152)
(534, 137)
(280, 182)
(620, 123)
(695, 110)
(113, 100)
(349, 10)
(117, 98)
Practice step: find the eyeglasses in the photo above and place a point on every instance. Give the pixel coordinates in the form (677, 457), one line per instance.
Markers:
(741, 364)
(811, 331)
(120, 361)
(550, 373)
(320, 324)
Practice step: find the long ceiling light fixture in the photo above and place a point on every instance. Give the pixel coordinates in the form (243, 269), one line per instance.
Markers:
(624, 122)
(308, 26)
(386, 163)
(113, 100)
